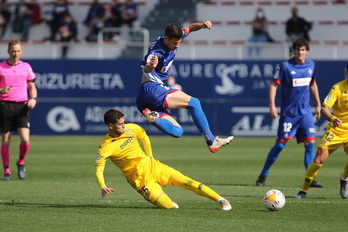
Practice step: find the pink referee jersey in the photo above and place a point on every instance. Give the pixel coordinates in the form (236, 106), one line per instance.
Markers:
(17, 77)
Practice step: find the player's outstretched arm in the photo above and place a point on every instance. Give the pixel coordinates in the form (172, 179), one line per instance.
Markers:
(105, 191)
(198, 26)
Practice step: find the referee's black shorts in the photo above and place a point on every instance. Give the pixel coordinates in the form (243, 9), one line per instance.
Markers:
(13, 115)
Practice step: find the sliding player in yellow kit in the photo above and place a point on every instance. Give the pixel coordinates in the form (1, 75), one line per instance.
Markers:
(142, 171)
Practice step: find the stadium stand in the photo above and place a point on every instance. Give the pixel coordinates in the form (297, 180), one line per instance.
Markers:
(228, 38)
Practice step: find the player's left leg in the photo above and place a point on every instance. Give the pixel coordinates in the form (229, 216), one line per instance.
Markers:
(24, 146)
(182, 181)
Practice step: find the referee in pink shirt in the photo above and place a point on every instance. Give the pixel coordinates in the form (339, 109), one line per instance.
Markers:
(16, 82)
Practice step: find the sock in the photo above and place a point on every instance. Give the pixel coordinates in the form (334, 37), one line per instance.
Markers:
(345, 173)
(311, 173)
(23, 151)
(163, 202)
(200, 120)
(272, 157)
(157, 196)
(182, 181)
(5, 155)
(168, 127)
(309, 154)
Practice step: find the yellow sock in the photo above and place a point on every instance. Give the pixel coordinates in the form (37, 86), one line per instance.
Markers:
(182, 181)
(345, 173)
(311, 173)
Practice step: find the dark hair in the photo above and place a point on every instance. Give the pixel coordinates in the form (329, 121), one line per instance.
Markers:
(173, 31)
(300, 43)
(112, 116)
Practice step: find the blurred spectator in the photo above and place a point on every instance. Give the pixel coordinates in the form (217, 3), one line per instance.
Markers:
(115, 19)
(171, 82)
(5, 15)
(35, 8)
(297, 27)
(22, 19)
(129, 13)
(259, 33)
(67, 32)
(95, 9)
(96, 25)
(59, 10)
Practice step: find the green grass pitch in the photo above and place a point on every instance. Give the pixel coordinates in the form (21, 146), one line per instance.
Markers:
(60, 192)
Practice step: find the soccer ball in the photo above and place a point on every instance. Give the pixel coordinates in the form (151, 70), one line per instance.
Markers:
(274, 200)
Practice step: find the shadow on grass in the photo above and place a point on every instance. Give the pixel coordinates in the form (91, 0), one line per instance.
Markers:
(44, 205)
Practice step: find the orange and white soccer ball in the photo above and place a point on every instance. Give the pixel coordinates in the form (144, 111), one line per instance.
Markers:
(274, 200)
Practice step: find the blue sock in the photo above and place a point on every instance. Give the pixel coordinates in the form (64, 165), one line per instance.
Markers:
(309, 154)
(167, 127)
(272, 157)
(200, 120)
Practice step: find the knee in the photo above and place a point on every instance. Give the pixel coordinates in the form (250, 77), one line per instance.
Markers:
(279, 145)
(194, 103)
(177, 132)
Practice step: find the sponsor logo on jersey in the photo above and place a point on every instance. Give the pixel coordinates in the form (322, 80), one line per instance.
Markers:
(297, 82)
(328, 97)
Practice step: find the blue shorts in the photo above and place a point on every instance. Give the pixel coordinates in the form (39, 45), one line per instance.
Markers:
(152, 95)
(301, 127)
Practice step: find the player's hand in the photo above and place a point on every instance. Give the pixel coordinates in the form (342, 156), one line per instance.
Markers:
(336, 122)
(153, 61)
(207, 24)
(31, 103)
(106, 191)
(273, 112)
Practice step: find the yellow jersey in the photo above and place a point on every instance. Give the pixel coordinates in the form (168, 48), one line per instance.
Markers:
(125, 152)
(337, 100)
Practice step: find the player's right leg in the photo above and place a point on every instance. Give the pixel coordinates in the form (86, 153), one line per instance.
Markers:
(271, 158)
(312, 170)
(154, 193)
(6, 124)
(5, 155)
(287, 129)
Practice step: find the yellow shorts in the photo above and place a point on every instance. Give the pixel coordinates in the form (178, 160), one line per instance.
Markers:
(333, 139)
(156, 175)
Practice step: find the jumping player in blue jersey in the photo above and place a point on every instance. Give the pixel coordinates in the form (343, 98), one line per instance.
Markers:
(154, 97)
(297, 80)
